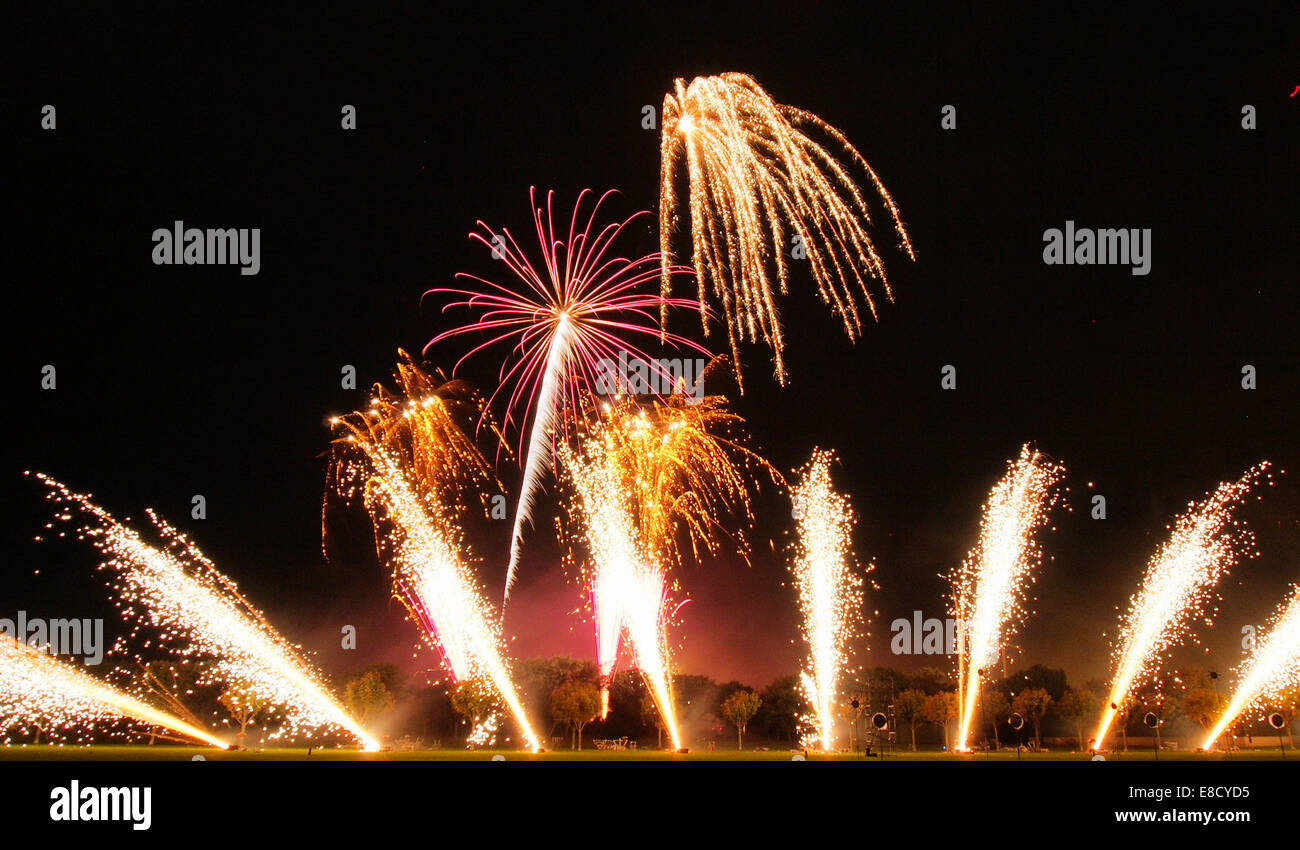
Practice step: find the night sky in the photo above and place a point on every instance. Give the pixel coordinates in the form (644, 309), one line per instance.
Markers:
(176, 380)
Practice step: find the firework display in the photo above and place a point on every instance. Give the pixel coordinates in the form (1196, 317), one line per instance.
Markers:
(416, 470)
(1272, 669)
(990, 587)
(579, 304)
(43, 694)
(647, 475)
(830, 591)
(198, 612)
(1205, 542)
(756, 181)
(586, 525)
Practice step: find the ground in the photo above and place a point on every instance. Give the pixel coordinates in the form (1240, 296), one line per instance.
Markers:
(180, 753)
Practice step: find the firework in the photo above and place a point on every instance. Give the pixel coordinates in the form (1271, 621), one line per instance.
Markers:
(580, 305)
(199, 614)
(1272, 668)
(830, 591)
(991, 585)
(647, 478)
(1204, 544)
(37, 691)
(409, 444)
(755, 178)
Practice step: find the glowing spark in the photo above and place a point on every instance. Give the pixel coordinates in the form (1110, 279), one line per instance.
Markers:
(752, 174)
(830, 592)
(582, 308)
(39, 691)
(200, 613)
(628, 588)
(409, 441)
(642, 476)
(1271, 670)
(1180, 579)
(991, 584)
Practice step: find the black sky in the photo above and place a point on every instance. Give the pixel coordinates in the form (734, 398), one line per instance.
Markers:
(181, 380)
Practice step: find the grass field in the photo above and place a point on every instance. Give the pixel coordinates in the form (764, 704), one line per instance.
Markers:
(164, 752)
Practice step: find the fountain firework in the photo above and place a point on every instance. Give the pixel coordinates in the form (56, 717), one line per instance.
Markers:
(1272, 668)
(41, 692)
(647, 476)
(753, 172)
(991, 584)
(583, 307)
(830, 591)
(409, 444)
(200, 614)
(1204, 544)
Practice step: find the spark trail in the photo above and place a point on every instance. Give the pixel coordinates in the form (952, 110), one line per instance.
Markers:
(404, 445)
(578, 306)
(649, 477)
(1204, 544)
(1272, 669)
(39, 691)
(200, 614)
(991, 585)
(830, 592)
(754, 176)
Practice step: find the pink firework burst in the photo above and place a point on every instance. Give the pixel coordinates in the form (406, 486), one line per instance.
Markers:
(580, 306)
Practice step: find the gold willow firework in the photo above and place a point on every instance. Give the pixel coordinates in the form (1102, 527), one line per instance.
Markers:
(42, 694)
(1270, 671)
(830, 591)
(654, 481)
(410, 444)
(991, 585)
(199, 614)
(1205, 543)
(756, 179)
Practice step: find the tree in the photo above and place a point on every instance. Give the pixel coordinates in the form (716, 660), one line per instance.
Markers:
(996, 709)
(576, 703)
(1203, 706)
(244, 706)
(1038, 676)
(538, 678)
(941, 709)
(650, 715)
(473, 700)
(778, 716)
(738, 709)
(170, 684)
(1032, 704)
(929, 680)
(1078, 707)
(367, 696)
(908, 707)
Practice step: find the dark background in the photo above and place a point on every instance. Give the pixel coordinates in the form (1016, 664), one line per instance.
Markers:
(176, 380)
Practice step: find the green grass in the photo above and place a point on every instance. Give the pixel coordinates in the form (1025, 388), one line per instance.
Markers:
(167, 752)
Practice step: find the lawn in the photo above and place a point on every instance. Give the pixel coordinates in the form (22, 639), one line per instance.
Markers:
(167, 752)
